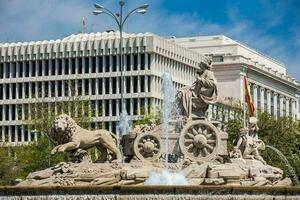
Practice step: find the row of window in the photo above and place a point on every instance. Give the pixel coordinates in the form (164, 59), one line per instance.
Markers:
(99, 86)
(79, 65)
(105, 108)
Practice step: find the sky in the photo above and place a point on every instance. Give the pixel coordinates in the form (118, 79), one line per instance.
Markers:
(269, 26)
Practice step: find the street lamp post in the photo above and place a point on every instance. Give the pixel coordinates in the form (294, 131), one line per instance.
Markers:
(118, 17)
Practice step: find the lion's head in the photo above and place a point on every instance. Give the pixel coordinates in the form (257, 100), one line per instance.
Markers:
(63, 128)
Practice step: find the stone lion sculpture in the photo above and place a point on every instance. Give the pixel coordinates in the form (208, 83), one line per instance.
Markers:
(72, 137)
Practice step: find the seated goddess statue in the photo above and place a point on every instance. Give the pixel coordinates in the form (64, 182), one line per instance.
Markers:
(194, 100)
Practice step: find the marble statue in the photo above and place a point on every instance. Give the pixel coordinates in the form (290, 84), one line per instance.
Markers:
(248, 144)
(195, 99)
(196, 145)
(73, 137)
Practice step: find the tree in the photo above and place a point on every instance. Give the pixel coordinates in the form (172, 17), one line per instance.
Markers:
(18, 162)
(282, 133)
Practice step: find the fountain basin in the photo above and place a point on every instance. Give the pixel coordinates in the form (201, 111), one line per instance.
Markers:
(149, 192)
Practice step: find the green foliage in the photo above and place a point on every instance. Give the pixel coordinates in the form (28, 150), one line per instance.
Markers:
(17, 162)
(233, 129)
(282, 133)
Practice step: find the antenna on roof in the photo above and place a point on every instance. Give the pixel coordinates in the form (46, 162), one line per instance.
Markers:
(83, 24)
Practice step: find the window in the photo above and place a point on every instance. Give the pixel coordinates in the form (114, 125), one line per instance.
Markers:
(87, 65)
(60, 67)
(107, 64)
(40, 68)
(33, 68)
(142, 61)
(79, 65)
(93, 65)
(86, 86)
(1, 70)
(128, 62)
(73, 66)
(93, 82)
(6, 70)
(217, 59)
(46, 70)
(52, 64)
(20, 69)
(13, 69)
(66, 70)
(100, 64)
(1, 91)
(114, 63)
(20, 90)
(135, 62)
(149, 61)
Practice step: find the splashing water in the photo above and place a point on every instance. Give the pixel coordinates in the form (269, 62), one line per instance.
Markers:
(168, 94)
(124, 124)
(166, 178)
(287, 163)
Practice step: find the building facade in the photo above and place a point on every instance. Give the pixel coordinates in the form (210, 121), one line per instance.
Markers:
(89, 65)
(272, 90)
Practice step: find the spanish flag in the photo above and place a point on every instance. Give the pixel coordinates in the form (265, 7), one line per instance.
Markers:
(248, 99)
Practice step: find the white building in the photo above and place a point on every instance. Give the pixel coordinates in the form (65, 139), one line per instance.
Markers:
(46, 71)
(271, 88)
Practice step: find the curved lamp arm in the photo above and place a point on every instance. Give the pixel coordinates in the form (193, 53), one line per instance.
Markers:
(122, 23)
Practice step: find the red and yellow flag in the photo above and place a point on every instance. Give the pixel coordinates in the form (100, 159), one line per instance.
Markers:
(248, 99)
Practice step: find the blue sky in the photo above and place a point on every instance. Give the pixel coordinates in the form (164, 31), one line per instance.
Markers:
(269, 26)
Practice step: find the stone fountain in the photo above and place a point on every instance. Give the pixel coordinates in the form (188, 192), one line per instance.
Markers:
(191, 152)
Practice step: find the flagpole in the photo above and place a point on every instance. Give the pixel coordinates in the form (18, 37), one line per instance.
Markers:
(244, 101)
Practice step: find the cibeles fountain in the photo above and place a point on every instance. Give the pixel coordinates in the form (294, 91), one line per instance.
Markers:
(186, 150)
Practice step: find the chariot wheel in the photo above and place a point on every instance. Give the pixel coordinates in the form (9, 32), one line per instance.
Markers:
(147, 147)
(199, 140)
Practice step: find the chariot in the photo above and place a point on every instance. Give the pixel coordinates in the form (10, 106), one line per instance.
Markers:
(196, 139)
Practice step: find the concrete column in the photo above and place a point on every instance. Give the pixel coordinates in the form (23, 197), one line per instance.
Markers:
(146, 61)
(103, 108)
(131, 62)
(90, 86)
(281, 105)
(139, 106)
(2, 134)
(97, 66)
(138, 84)
(22, 135)
(90, 65)
(262, 99)
(146, 106)
(9, 134)
(76, 66)
(110, 107)
(287, 106)
(269, 101)
(146, 84)
(139, 61)
(275, 104)
(242, 87)
(293, 108)
(110, 85)
(131, 84)
(17, 69)
(131, 107)
(110, 126)
(255, 96)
